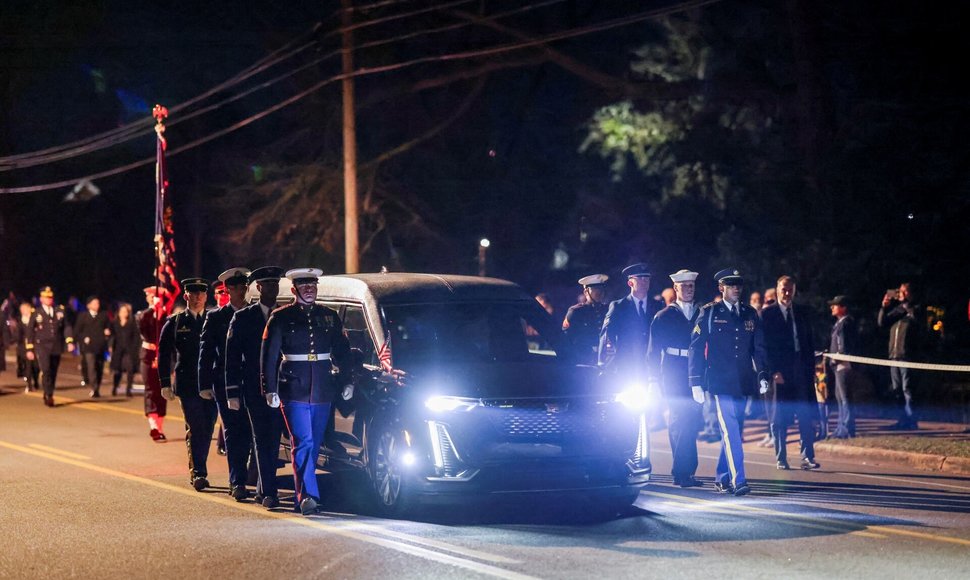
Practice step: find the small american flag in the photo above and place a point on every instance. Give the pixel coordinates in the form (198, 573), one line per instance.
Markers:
(384, 353)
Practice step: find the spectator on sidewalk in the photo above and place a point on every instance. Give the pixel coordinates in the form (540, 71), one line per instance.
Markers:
(902, 317)
(844, 340)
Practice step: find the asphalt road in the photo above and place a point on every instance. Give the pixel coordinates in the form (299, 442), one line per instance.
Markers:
(86, 493)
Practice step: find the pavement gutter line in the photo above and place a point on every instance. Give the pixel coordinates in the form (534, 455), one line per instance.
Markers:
(307, 522)
(878, 529)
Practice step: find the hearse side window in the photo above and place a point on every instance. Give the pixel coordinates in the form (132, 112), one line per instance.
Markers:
(357, 333)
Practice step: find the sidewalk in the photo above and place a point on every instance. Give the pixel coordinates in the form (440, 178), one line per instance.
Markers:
(931, 448)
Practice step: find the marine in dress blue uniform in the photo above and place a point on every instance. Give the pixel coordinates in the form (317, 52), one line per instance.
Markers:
(727, 358)
(790, 354)
(303, 346)
(48, 333)
(581, 327)
(179, 344)
(667, 357)
(243, 343)
(212, 381)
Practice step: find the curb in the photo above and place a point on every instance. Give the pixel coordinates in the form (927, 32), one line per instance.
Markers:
(924, 461)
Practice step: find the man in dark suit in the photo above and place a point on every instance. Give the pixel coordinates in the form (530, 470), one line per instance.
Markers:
(179, 343)
(48, 334)
(212, 381)
(91, 332)
(302, 343)
(626, 329)
(667, 355)
(791, 365)
(243, 343)
(727, 359)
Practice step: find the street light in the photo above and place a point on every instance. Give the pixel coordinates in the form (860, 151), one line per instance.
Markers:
(482, 249)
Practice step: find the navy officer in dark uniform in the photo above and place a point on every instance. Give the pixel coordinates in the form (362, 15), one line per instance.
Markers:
(304, 345)
(212, 381)
(583, 321)
(727, 358)
(667, 356)
(243, 344)
(179, 344)
(626, 328)
(48, 333)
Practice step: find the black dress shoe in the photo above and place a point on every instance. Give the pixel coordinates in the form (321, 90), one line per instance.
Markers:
(239, 492)
(782, 465)
(308, 506)
(271, 501)
(49, 400)
(810, 464)
(690, 482)
(154, 433)
(743, 489)
(221, 450)
(723, 487)
(95, 395)
(200, 483)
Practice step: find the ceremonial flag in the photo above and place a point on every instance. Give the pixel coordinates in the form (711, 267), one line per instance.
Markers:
(164, 232)
(384, 353)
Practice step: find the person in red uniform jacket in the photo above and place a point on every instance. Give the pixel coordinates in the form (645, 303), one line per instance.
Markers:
(150, 322)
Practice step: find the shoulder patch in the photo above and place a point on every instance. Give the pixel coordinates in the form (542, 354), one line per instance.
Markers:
(697, 329)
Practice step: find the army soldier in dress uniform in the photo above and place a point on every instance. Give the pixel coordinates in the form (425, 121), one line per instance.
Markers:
(302, 344)
(48, 334)
(180, 343)
(242, 380)
(727, 358)
(667, 356)
(583, 321)
(212, 381)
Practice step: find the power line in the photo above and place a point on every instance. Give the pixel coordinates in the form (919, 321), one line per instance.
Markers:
(572, 33)
(142, 128)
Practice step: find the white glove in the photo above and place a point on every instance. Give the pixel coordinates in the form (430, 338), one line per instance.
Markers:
(232, 403)
(167, 394)
(273, 400)
(698, 394)
(206, 394)
(348, 392)
(764, 387)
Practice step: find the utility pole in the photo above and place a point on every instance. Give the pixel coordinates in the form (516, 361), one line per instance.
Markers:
(351, 246)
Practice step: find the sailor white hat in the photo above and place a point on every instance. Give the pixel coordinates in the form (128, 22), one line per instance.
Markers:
(683, 276)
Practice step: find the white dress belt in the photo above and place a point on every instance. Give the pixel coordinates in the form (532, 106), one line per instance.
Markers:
(676, 351)
(306, 357)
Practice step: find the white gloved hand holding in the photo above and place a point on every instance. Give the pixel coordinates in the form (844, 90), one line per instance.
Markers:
(698, 394)
(168, 394)
(764, 387)
(232, 403)
(347, 393)
(206, 394)
(273, 400)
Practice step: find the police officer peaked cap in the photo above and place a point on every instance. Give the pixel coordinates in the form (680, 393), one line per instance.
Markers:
(304, 275)
(729, 277)
(265, 273)
(593, 280)
(683, 276)
(46, 292)
(638, 269)
(195, 285)
(839, 300)
(234, 276)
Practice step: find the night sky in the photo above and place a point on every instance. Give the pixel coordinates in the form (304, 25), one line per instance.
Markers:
(880, 81)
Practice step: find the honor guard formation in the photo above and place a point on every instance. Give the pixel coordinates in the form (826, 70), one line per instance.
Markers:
(262, 369)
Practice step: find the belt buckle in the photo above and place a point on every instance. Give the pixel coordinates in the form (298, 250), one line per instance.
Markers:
(311, 357)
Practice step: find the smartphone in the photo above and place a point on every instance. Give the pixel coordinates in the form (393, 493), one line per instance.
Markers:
(891, 293)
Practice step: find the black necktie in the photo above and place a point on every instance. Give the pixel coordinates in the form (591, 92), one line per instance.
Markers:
(640, 309)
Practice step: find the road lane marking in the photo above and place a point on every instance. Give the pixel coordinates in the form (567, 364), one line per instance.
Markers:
(92, 406)
(801, 517)
(56, 450)
(316, 523)
(430, 542)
